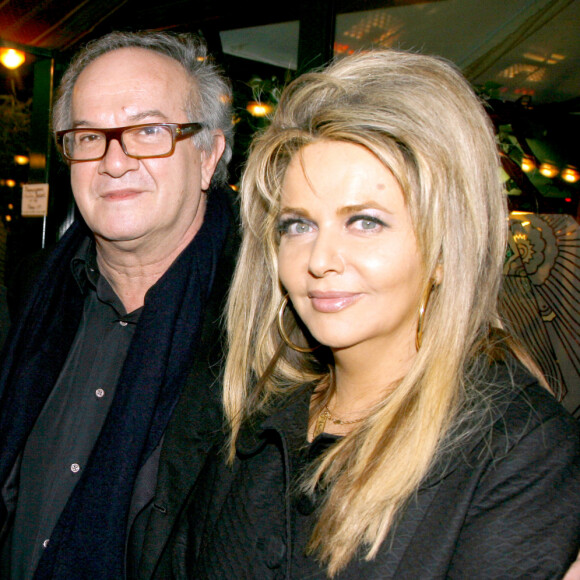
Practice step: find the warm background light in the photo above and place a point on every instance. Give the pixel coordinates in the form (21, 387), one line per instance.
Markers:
(570, 174)
(528, 164)
(11, 58)
(259, 109)
(548, 170)
(11, 183)
(21, 159)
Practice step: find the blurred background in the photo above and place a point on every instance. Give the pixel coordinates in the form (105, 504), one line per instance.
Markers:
(522, 57)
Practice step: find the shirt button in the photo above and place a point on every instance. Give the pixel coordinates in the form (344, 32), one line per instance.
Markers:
(100, 393)
(45, 543)
(123, 323)
(75, 467)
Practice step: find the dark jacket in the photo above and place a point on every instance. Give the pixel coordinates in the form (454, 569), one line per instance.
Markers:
(194, 428)
(48, 342)
(506, 505)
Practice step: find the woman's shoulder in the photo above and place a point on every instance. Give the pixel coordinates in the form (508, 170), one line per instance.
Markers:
(510, 413)
(518, 403)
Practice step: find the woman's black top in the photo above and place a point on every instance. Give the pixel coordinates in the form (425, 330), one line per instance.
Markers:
(505, 505)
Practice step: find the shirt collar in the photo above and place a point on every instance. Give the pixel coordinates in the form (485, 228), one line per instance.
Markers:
(84, 265)
(86, 273)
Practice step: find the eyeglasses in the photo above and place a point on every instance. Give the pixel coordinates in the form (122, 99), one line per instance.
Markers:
(138, 141)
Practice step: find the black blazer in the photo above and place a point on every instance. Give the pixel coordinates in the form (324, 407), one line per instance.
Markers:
(505, 505)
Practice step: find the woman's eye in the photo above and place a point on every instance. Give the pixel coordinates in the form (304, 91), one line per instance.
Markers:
(366, 223)
(294, 227)
(300, 228)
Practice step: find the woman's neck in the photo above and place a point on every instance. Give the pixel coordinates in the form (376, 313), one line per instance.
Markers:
(363, 377)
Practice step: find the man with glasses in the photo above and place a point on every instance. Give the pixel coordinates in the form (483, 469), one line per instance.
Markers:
(92, 380)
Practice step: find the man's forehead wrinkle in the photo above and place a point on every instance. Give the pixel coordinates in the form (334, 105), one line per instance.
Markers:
(141, 115)
(151, 114)
(133, 115)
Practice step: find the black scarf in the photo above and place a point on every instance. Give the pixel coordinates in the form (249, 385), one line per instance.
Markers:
(89, 538)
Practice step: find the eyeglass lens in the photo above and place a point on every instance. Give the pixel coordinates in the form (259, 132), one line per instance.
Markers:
(146, 141)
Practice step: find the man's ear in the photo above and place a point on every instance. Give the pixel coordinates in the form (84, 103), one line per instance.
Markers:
(210, 160)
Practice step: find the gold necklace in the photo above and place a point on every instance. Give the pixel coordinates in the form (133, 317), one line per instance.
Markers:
(325, 416)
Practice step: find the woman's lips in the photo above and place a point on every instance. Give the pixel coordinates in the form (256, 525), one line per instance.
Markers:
(334, 301)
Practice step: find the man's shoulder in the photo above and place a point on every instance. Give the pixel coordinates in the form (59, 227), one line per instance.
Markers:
(45, 261)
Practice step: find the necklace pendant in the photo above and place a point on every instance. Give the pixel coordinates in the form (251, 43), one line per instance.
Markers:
(320, 423)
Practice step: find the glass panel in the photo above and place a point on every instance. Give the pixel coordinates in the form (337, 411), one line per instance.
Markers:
(275, 44)
(523, 46)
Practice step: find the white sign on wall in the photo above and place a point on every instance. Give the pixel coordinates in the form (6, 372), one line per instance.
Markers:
(34, 199)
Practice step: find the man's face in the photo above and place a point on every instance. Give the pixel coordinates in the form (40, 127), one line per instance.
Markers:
(139, 203)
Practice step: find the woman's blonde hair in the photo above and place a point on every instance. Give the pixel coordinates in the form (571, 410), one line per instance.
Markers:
(418, 116)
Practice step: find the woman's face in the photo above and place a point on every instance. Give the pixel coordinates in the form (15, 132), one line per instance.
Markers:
(348, 256)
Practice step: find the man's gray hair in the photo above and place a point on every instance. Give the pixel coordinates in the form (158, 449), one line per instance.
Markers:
(210, 97)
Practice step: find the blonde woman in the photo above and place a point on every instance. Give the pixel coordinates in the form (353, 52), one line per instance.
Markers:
(381, 423)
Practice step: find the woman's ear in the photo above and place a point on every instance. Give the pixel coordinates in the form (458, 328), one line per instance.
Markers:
(438, 275)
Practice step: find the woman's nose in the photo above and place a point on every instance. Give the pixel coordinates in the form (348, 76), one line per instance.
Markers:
(326, 254)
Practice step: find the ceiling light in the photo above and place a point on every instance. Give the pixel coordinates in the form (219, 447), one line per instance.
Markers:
(528, 164)
(534, 57)
(11, 58)
(570, 174)
(548, 170)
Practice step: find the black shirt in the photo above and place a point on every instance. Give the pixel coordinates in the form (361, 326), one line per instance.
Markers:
(65, 433)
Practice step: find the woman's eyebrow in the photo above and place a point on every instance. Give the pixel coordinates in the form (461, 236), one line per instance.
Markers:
(295, 211)
(350, 209)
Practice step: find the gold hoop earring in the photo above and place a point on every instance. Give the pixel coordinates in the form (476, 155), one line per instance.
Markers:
(422, 309)
(283, 335)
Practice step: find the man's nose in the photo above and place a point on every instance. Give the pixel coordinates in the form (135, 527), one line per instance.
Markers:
(115, 162)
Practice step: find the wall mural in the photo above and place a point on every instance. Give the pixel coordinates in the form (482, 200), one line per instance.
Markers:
(540, 300)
